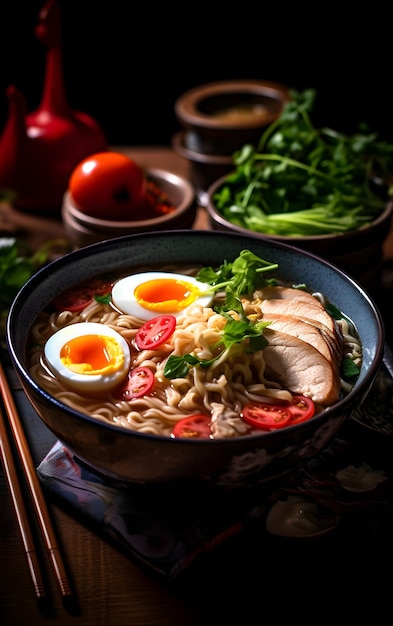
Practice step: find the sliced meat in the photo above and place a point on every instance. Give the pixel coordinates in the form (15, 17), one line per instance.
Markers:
(299, 308)
(300, 367)
(277, 292)
(334, 339)
(299, 305)
(305, 346)
(309, 332)
(291, 301)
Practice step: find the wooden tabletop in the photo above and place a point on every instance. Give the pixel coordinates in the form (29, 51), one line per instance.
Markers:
(250, 577)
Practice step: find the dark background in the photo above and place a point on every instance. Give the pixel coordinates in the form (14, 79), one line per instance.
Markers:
(126, 63)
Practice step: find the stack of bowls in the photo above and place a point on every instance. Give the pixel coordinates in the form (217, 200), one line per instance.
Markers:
(219, 118)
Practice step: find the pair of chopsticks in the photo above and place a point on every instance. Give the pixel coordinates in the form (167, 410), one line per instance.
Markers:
(40, 506)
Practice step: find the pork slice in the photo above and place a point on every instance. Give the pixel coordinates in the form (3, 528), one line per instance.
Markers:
(312, 310)
(299, 367)
(307, 331)
(277, 292)
(335, 339)
(285, 295)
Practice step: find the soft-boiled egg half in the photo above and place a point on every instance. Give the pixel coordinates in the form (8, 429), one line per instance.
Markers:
(149, 294)
(88, 356)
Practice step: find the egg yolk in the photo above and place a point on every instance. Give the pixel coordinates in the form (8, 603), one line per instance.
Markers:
(92, 354)
(166, 295)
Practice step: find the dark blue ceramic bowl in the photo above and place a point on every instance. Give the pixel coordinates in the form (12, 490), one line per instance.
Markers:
(147, 459)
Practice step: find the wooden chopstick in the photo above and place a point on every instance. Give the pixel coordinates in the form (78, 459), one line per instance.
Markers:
(40, 506)
(20, 511)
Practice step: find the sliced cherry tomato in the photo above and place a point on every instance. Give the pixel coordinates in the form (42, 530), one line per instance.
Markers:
(301, 409)
(155, 332)
(193, 427)
(74, 300)
(101, 288)
(139, 383)
(266, 416)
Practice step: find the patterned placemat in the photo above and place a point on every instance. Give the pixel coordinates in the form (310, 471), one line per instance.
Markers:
(346, 486)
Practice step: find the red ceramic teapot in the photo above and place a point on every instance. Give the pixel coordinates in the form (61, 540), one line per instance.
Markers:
(39, 150)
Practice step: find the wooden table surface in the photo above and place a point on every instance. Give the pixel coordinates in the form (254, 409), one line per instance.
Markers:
(251, 577)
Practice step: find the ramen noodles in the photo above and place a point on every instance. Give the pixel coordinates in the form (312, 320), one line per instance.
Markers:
(120, 375)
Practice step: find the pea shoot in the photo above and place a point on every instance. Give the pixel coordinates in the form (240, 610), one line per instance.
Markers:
(243, 276)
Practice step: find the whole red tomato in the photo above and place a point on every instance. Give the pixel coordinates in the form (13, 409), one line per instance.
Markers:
(108, 185)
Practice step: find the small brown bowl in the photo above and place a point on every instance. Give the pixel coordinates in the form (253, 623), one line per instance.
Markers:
(221, 116)
(83, 229)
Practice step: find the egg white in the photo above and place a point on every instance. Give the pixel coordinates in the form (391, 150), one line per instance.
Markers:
(85, 381)
(123, 294)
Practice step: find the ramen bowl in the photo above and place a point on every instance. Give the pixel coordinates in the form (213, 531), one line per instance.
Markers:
(220, 117)
(239, 462)
(83, 228)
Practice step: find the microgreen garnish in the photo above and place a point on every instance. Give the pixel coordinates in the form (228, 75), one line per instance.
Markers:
(103, 299)
(241, 277)
(234, 332)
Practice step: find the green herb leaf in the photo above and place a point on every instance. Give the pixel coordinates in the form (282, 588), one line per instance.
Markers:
(235, 331)
(178, 366)
(349, 369)
(17, 265)
(242, 276)
(104, 299)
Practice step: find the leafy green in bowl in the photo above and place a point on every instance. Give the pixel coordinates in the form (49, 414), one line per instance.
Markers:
(318, 189)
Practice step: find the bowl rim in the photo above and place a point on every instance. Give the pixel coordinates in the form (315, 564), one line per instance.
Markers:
(186, 106)
(216, 216)
(156, 174)
(145, 240)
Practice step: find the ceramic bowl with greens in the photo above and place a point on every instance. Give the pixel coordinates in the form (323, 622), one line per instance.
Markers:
(319, 189)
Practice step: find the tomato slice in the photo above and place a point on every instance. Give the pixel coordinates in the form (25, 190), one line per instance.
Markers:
(301, 409)
(74, 300)
(193, 427)
(139, 382)
(266, 416)
(269, 416)
(155, 332)
(101, 288)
